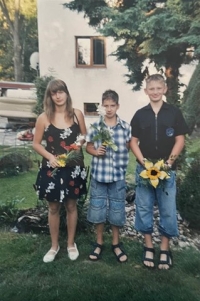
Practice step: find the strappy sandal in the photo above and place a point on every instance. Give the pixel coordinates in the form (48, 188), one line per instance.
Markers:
(93, 253)
(169, 258)
(144, 258)
(122, 253)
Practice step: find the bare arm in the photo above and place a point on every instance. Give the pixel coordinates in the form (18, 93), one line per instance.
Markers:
(176, 150)
(41, 123)
(81, 121)
(90, 149)
(136, 150)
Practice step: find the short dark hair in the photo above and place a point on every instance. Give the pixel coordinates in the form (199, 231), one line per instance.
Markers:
(155, 77)
(110, 94)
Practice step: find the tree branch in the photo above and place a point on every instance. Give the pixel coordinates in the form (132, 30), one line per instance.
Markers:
(6, 14)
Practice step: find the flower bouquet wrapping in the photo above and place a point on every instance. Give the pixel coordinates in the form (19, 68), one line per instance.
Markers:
(72, 153)
(154, 174)
(102, 132)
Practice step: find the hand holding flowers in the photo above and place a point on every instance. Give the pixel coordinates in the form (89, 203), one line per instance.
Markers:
(72, 154)
(155, 173)
(102, 132)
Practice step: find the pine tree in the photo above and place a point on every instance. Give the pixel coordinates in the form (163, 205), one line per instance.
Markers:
(160, 32)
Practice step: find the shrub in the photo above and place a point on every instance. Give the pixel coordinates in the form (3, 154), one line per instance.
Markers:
(191, 101)
(188, 192)
(13, 163)
(9, 211)
(41, 84)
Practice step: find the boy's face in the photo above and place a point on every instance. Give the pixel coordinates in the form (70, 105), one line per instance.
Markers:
(155, 89)
(110, 107)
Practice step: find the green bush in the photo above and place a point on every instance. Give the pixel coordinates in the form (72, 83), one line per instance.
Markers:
(13, 163)
(9, 211)
(191, 101)
(188, 192)
(41, 84)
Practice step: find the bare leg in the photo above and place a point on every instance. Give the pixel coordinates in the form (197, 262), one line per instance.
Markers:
(150, 255)
(72, 215)
(164, 247)
(99, 233)
(115, 241)
(54, 222)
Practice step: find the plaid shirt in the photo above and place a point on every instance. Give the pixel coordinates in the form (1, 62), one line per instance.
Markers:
(112, 166)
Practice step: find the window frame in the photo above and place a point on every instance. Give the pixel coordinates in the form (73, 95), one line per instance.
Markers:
(92, 38)
(90, 114)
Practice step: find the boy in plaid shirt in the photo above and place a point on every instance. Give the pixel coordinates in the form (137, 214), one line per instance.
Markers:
(108, 170)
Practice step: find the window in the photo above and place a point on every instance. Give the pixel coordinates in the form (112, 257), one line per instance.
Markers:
(90, 109)
(90, 52)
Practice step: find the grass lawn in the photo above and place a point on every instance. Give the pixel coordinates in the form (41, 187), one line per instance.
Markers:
(24, 277)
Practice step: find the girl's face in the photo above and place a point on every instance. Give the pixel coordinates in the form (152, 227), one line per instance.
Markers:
(59, 98)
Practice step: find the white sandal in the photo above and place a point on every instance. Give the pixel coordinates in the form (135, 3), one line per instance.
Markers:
(73, 252)
(50, 255)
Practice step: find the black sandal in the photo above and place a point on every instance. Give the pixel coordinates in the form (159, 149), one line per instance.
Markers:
(144, 258)
(120, 254)
(169, 258)
(93, 253)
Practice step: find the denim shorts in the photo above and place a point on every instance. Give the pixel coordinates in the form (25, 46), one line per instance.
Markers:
(165, 197)
(107, 202)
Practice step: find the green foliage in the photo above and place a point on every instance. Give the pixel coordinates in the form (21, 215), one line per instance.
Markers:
(41, 84)
(9, 211)
(188, 196)
(25, 277)
(26, 34)
(159, 32)
(6, 54)
(191, 101)
(13, 163)
(29, 37)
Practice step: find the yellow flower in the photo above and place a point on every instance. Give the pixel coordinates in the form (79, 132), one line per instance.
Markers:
(154, 172)
(61, 163)
(62, 160)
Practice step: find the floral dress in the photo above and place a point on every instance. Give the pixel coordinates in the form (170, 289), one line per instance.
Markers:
(67, 182)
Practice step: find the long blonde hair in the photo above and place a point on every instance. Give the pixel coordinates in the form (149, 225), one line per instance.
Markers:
(49, 106)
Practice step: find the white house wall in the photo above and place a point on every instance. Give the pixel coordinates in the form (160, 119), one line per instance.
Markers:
(58, 27)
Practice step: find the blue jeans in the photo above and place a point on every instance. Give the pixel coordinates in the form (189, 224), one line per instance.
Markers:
(107, 202)
(165, 197)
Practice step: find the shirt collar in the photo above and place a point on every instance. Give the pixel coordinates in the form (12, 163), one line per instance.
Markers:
(164, 106)
(119, 121)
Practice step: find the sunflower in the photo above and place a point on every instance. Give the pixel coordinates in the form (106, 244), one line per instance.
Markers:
(154, 172)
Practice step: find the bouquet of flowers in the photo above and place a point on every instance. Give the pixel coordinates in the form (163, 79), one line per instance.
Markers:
(155, 173)
(104, 134)
(72, 154)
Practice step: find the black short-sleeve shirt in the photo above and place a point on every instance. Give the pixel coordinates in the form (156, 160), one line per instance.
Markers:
(156, 133)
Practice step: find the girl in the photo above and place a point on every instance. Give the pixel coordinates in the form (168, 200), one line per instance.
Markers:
(60, 126)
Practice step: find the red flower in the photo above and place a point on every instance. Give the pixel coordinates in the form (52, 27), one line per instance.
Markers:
(71, 183)
(67, 147)
(74, 146)
(62, 143)
(49, 173)
(71, 147)
(76, 191)
(50, 139)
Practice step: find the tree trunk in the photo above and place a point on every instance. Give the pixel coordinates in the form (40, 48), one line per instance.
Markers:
(17, 46)
(173, 63)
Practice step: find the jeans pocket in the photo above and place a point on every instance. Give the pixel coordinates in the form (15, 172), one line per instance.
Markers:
(97, 204)
(117, 213)
(170, 182)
